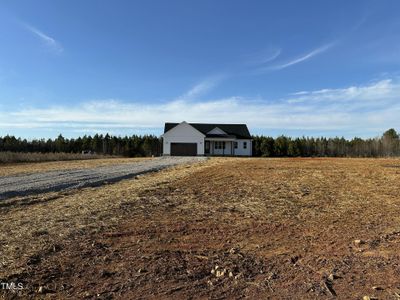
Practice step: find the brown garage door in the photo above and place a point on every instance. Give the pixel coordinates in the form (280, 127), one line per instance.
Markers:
(184, 149)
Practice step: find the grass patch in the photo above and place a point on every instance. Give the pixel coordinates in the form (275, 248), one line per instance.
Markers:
(17, 157)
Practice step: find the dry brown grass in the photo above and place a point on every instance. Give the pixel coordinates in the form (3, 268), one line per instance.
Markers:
(18, 157)
(30, 224)
(25, 168)
(281, 226)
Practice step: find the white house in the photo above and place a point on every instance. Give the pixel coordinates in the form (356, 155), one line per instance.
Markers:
(187, 139)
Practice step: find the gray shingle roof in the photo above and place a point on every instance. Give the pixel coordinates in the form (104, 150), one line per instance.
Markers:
(238, 130)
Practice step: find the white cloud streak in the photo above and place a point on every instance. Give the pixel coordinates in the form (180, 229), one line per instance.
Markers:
(203, 87)
(303, 58)
(263, 57)
(51, 43)
(368, 108)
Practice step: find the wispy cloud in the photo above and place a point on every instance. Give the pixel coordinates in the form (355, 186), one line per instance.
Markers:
(369, 108)
(253, 64)
(263, 57)
(303, 58)
(202, 87)
(50, 42)
(386, 89)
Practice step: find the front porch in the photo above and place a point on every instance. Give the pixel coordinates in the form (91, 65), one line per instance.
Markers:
(220, 146)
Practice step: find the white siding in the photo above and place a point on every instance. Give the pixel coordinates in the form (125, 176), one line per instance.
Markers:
(226, 151)
(240, 151)
(183, 133)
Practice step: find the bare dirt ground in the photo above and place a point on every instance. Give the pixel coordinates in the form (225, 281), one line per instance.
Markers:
(67, 179)
(223, 228)
(7, 169)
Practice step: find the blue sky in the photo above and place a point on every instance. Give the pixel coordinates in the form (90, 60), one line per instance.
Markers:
(125, 67)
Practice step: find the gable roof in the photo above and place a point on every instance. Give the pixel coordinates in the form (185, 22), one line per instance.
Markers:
(238, 130)
(216, 130)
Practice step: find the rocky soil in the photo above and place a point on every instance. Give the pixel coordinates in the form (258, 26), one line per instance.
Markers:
(221, 229)
(52, 181)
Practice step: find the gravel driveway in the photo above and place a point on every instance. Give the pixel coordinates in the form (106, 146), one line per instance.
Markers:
(51, 181)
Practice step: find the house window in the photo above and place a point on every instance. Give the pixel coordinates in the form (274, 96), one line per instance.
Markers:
(235, 144)
(219, 145)
(244, 145)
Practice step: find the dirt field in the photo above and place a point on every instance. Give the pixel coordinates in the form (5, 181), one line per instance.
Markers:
(68, 179)
(29, 168)
(223, 228)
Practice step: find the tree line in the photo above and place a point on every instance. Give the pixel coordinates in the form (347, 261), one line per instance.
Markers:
(129, 146)
(147, 145)
(386, 145)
